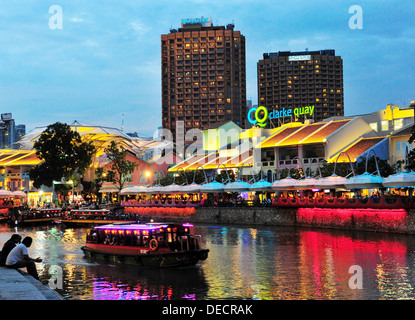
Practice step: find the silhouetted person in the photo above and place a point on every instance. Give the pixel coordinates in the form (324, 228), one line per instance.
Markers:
(8, 246)
(19, 258)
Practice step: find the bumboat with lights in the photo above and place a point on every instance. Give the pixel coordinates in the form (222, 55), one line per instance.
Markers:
(151, 244)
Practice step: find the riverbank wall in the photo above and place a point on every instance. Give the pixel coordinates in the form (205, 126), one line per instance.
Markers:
(18, 285)
(375, 220)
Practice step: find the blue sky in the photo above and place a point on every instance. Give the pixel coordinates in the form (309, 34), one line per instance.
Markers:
(105, 61)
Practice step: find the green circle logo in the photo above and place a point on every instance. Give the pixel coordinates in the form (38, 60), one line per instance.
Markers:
(262, 122)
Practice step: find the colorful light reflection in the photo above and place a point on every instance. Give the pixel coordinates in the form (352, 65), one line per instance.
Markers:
(106, 290)
(365, 219)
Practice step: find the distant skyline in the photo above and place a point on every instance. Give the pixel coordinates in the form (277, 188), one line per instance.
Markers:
(105, 61)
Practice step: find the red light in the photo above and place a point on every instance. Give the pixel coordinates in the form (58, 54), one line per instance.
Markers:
(379, 218)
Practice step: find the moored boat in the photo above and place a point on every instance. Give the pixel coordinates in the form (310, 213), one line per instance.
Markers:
(152, 244)
(86, 216)
(25, 216)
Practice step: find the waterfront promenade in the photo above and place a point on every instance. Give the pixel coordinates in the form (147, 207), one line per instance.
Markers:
(18, 285)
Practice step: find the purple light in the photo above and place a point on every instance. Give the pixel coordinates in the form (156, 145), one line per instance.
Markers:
(130, 227)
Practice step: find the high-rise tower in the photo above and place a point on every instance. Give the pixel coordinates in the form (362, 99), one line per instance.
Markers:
(296, 80)
(203, 76)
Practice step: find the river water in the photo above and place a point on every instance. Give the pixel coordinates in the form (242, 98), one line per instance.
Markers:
(260, 262)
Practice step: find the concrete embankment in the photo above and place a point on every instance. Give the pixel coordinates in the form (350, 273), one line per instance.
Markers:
(384, 220)
(18, 285)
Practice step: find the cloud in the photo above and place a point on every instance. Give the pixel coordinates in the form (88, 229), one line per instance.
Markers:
(75, 19)
(139, 27)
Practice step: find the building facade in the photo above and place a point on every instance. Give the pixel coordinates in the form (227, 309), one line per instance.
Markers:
(297, 80)
(203, 76)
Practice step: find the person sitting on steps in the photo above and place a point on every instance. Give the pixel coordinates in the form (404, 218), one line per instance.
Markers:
(19, 258)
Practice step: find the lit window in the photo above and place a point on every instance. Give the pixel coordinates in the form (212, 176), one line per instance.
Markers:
(397, 124)
(374, 126)
(385, 125)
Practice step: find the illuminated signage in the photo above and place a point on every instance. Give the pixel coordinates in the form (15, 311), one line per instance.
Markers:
(196, 20)
(299, 58)
(255, 117)
(262, 122)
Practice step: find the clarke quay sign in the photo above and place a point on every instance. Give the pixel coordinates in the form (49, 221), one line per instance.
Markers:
(259, 116)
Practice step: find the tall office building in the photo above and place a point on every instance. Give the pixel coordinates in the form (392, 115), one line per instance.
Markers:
(297, 80)
(19, 132)
(203, 76)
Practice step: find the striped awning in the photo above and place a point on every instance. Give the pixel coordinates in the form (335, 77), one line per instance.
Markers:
(108, 189)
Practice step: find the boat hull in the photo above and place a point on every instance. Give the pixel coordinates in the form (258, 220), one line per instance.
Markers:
(90, 222)
(146, 258)
(31, 222)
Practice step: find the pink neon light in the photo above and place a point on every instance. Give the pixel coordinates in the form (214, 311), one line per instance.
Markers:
(382, 218)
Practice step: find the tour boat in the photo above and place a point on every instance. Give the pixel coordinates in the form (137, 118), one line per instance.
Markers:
(150, 244)
(21, 216)
(86, 216)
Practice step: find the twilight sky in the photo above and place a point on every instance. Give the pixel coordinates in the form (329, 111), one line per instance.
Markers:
(105, 61)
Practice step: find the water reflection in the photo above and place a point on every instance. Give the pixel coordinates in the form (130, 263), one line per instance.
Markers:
(244, 263)
(149, 284)
(290, 263)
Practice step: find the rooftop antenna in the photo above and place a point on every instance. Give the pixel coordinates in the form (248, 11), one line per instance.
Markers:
(122, 123)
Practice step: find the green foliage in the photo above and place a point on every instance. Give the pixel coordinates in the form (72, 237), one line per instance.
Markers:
(180, 179)
(223, 176)
(384, 167)
(293, 173)
(120, 166)
(64, 154)
(343, 169)
(410, 165)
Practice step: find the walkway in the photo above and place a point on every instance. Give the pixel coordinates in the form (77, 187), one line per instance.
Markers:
(18, 285)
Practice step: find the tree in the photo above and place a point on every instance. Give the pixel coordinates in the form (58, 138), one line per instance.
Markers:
(64, 154)
(223, 176)
(343, 169)
(410, 161)
(384, 167)
(182, 178)
(120, 166)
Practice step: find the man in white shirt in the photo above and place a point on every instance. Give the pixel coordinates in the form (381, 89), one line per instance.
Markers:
(19, 258)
